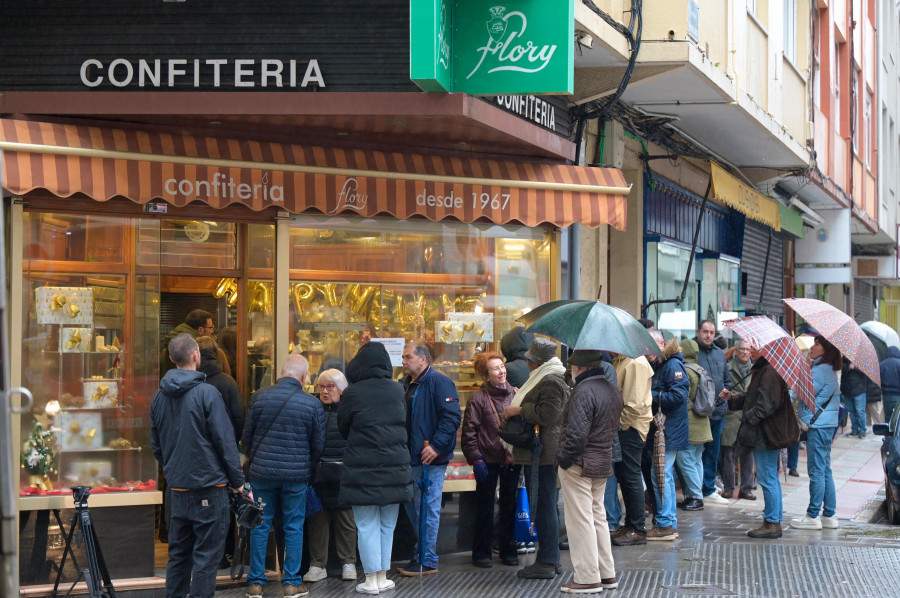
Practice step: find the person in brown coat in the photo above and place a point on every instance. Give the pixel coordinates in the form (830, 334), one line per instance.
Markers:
(491, 461)
(765, 395)
(589, 425)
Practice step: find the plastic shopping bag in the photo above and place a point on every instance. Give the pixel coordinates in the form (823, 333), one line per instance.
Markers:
(524, 530)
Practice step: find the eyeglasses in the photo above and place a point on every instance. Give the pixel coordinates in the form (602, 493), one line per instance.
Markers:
(743, 349)
(328, 387)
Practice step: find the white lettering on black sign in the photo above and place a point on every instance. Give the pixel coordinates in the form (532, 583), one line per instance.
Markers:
(532, 108)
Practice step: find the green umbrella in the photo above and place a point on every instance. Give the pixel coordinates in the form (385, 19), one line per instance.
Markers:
(591, 325)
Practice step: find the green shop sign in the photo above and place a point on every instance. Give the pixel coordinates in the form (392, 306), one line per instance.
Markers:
(483, 47)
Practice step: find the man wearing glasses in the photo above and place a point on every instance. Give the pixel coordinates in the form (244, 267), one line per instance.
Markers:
(739, 367)
(197, 323)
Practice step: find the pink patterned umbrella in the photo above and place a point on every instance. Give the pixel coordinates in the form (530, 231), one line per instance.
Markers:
(842, 331)
(781, 351)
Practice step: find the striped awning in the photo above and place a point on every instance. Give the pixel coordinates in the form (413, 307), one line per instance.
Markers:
(143, 166)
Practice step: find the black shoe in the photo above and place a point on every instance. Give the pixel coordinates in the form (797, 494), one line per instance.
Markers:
(510, 561)
(564, 545)
(537, 571)
(692, 504)
(484, 563)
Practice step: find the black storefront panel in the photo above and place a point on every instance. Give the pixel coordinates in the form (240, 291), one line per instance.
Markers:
(753, 267)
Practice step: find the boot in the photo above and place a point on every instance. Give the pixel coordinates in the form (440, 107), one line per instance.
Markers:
(767, 531)
(383, 582)
(370, 586)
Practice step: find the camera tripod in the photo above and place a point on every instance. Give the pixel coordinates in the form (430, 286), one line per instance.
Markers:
(97, 575)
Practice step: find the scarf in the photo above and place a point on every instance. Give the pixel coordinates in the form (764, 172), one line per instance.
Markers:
(744, 368)
(553, 366)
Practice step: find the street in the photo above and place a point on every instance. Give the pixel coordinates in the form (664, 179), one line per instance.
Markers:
(713, 555)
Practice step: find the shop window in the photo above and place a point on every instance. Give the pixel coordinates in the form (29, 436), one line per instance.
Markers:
(456, 287)
(89, 355)
(666, 268)
(187, 244)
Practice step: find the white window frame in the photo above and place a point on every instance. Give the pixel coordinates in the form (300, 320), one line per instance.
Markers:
(790, 30)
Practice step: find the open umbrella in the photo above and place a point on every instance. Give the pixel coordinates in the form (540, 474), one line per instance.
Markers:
(883, 331)
(881, 348)
(781, 351)
(842, 331)
(591, 325)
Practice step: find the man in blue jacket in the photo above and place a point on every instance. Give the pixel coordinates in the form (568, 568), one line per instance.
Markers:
(193, 440)
(890, 382)
(284, 437)
(712, 359)
(432, 419)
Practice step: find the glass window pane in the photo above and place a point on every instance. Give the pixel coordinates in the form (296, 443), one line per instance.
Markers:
(76, 238)
(188, 244)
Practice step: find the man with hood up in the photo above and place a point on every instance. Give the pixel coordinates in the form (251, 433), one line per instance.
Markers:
(890, 382)
(514, 345)
(193, 441)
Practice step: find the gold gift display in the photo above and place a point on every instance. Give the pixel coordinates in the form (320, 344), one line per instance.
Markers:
(64, 305)
(81, 431)
(477, 327)
(75, 340)
(100, 392)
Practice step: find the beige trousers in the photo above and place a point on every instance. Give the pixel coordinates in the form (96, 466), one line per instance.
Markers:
(874, 413)
(589, 544)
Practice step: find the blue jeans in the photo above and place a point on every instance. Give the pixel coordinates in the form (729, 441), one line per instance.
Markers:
(198, 520)
(288, 498)
(428, 530)
(890, 403)
(690, 463)
(818, 465)
(612, 504)
(767, 476)
(546, 520)
(711, 456)
(665, 506)
(856, 405)
(794, 455)
(375, 532)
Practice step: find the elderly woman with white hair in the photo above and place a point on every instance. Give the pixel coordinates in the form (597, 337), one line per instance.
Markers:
(331, 384)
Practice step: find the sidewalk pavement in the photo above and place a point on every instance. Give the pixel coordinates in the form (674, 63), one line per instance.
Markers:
(713, 555)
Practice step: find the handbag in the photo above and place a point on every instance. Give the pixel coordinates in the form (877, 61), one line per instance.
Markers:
(518, 432)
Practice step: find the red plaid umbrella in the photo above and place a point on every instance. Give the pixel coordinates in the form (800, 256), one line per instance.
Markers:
(781, 351)
(842, 331)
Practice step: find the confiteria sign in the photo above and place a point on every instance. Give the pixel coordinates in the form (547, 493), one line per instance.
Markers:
(487, 47)
(196, 72)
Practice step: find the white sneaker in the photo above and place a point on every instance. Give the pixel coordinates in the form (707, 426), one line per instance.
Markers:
(806, 522)
(383, 582)
(830, 522)
(715, 499)
(316, 574)
(370, 586)
(348, 572)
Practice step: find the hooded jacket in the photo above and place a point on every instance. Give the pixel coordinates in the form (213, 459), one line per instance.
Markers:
(890, 372)
(190, 434)
(514, 345)
(372, 417)
(712, 359)
(670, 394)
(543, 406)
(853, 381)
(295, 440)
(480, 436)
(589, 424)
(635, 378)
(227, 387)
(698, 426)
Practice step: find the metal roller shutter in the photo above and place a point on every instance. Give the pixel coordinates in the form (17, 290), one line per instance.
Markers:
(863, 306)
(753, 263)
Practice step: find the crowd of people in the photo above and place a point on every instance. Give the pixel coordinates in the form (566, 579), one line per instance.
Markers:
(368, 444)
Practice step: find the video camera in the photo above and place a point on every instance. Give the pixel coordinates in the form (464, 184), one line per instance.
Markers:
(248, 513)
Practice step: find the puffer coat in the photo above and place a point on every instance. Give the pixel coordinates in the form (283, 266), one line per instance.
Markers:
(589, 426)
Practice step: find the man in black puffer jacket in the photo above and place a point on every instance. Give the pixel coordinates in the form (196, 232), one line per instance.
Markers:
(284, 436)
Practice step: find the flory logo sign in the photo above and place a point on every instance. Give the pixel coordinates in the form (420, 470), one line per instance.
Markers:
(501, 45)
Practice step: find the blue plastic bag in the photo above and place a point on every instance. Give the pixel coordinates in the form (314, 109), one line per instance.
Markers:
(313, 503)
(524, 530)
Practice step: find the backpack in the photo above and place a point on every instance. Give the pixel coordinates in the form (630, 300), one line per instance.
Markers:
(703, 403)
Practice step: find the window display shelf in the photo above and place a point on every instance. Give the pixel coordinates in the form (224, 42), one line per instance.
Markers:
(103, 449)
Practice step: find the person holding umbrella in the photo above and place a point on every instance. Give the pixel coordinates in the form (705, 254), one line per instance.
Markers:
(491, 461)
(590, 422)
(822, 425)
(540, 402)
(376, 475)
(854, 385)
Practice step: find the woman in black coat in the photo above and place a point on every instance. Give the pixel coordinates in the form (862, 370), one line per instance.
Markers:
(376, 476)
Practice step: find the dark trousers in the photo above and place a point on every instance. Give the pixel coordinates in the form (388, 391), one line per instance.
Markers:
(545, 518)
(508, 476)
(198, 521)
(711, 456)
(727, 458)
(648, 473)
(628, 474)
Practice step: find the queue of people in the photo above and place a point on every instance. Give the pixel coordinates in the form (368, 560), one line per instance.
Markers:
(369, 444)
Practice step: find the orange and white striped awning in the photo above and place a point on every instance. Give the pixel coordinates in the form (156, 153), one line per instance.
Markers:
(143, 166)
